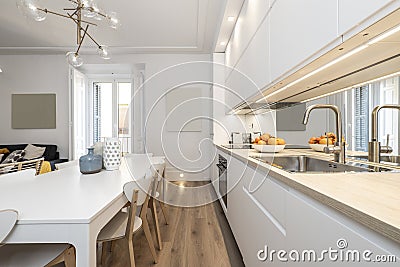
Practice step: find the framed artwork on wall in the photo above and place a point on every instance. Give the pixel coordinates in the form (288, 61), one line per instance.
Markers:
(33, 111)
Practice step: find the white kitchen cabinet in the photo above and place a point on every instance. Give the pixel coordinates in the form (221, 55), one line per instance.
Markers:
(299, 29)
(272, 196)
(237, 171)
(258, 231)
(252, 71)
(352, 13)
(313, 226)
(253, 221)
(255, 60)
(266, 214)
(250, 18)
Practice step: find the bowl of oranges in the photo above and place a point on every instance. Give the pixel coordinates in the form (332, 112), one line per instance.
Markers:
(267, 143)
(319, 143)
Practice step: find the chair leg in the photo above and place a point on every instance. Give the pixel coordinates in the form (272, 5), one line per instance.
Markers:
(69, 258)
(131, 253)
(164, 211)
(155, 221)
(104, 254)
(149, 239)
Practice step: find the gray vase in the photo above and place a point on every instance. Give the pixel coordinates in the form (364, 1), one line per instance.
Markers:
(90, 163)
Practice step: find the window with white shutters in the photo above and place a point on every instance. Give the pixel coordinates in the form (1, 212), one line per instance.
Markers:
(96, 113)
(361, 121)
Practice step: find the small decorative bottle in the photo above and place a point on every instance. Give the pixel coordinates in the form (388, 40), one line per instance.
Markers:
(90, 163)
(112, 154)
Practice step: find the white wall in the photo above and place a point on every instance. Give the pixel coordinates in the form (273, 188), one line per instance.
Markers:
(223, 124)
(49, 73)
(34, 74)
(163, 72)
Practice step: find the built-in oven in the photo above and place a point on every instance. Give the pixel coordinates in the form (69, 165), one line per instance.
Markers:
(222, 164)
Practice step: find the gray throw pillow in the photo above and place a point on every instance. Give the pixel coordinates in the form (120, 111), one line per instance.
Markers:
(15, 156)
(33, 152)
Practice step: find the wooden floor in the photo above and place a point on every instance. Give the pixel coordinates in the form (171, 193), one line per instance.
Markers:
(198, 236)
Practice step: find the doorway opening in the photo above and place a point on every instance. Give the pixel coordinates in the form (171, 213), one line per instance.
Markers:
(111, 112)
(100, 107)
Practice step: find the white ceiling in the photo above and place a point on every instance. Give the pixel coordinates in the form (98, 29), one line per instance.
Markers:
(147, 26)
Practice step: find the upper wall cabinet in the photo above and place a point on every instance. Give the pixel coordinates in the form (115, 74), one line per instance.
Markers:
(251, 16)
(300, 29)
(252, 71)
(352, 13)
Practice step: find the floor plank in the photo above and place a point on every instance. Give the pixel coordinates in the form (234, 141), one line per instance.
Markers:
(195, 236)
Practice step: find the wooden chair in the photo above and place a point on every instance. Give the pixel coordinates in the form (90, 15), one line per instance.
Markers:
(125, 224)
(67, 164)
(158, 164)
(12, 255)
(35, 164)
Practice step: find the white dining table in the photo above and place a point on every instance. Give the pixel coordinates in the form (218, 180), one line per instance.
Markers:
(66, 206)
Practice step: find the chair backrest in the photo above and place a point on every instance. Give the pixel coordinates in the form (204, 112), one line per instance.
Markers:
(67, 164)
(34, 164)
(158, 164)
(138, 193)
(144, 185)
(8, 218)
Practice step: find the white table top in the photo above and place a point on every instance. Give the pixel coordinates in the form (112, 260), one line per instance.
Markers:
(67, 196)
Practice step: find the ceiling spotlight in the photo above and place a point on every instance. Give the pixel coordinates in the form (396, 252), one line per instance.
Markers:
(222, 43)
(1, 70)
(230, 19)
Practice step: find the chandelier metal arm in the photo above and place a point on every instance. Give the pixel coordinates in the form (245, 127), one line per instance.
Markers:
(87, 9)
(83, 37)
(85, 31)
(64, 16)
(73, 1)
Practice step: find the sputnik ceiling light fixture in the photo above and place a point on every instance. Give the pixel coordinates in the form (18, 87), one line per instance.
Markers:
(81, 12)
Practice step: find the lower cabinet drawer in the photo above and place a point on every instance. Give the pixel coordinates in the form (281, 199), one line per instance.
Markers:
(257, 230)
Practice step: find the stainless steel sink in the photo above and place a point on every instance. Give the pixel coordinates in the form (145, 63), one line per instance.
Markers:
(305, 164)
(393, 160)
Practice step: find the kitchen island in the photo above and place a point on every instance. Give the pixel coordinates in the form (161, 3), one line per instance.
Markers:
(286, 210)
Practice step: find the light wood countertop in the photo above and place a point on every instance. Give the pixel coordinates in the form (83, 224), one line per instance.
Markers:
(372, 199)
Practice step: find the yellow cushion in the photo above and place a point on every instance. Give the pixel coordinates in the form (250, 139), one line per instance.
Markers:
(4, 150)
(46, 167)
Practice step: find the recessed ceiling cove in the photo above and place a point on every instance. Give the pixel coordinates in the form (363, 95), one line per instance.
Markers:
(150, 26)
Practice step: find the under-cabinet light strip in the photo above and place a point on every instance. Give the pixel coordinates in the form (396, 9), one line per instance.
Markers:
(384, 35)
(323, 67)
(352, 87)
(335, 61)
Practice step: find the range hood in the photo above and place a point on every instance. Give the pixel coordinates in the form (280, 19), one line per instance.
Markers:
(260, 108)
(371, 54)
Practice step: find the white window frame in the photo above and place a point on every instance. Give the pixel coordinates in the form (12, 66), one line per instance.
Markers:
(114, 80)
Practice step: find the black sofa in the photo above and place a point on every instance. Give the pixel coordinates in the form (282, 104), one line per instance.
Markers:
(50, 154)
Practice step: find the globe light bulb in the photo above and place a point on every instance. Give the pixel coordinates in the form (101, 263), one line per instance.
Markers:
(30, 9)
(113, 20)
(74, 59)
(103, 52)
